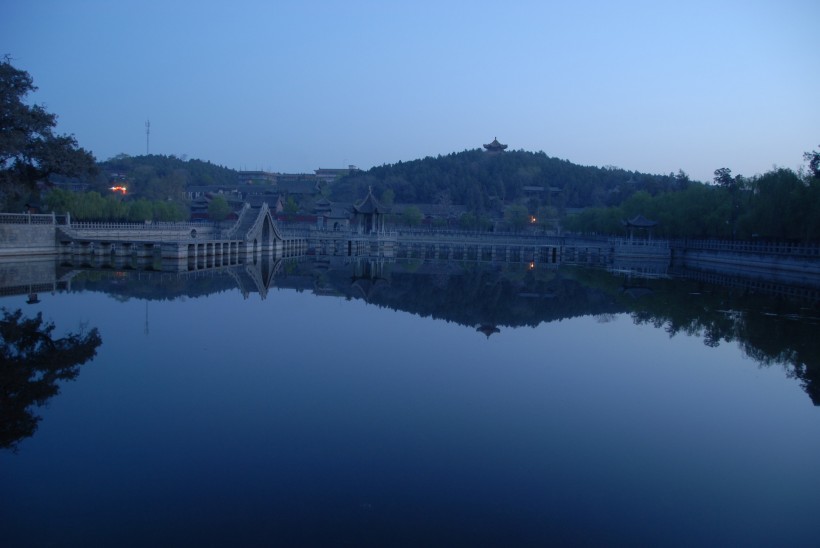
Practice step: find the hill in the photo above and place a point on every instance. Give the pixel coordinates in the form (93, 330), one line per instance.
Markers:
(158, 177)
(485, 182)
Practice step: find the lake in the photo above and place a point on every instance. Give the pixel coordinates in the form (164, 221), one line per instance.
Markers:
(413, 403)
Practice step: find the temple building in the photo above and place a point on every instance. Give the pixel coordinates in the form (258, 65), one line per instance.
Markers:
(495, 146)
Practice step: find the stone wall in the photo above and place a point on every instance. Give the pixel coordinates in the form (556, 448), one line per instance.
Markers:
(781, 268)
(27, 239)
(29, 275)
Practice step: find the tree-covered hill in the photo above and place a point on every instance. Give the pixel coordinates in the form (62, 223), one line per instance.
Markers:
(484, 181)
(158, 177)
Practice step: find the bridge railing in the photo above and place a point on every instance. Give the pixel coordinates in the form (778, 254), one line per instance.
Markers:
(32, 219)
(145, 226)
(795, 249)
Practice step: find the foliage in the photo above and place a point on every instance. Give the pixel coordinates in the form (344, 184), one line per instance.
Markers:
(30, 151)
(33, 362)
(91, 206)
(158, 177)
(486, 182)
(218, 208)
(412, 216)
(517, 216)
(291, 205)
(779, 204)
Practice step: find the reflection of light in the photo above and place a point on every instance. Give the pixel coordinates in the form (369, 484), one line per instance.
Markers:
(533, 219)
(532, 265)
(120, 189)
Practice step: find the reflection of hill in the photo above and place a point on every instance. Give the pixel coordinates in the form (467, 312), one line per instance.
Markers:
(155, 286)
(772, 329)
(481, 294)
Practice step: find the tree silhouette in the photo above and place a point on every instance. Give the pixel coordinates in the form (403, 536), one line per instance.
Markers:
(30, 151)
(32, 362)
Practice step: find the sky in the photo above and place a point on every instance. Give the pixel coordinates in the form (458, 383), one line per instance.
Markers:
(292, 86)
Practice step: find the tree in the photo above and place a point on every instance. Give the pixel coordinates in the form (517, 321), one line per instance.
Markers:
(140, 210)
(30, 151)
(813, 158)
(33, 361)
(218, 208)
(291, 206)
(388, 197)
(412, 216)
(517, 215)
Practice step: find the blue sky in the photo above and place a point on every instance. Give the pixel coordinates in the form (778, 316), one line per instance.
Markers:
(293, 86)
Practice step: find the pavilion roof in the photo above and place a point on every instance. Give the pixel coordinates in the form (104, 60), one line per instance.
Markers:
(370, 205)
(495, 145)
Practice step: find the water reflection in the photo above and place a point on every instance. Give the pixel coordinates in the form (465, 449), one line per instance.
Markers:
(774, 324)
(34, 361)
(375, 402)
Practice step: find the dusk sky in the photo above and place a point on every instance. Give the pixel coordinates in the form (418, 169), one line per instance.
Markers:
(293, 86)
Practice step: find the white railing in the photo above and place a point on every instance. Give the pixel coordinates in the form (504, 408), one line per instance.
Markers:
(31, 219)
(145, 226)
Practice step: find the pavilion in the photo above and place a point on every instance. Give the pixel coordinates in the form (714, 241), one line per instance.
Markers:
(495, 146)
(639, 222)
(369, 214)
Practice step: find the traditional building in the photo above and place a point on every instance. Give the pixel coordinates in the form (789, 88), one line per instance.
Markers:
(639, 222)
(329, 175)
(369, 214)
(495, 146)
(256, 178)
(331, 216)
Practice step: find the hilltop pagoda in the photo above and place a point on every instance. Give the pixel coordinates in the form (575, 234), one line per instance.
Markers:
(495, 147)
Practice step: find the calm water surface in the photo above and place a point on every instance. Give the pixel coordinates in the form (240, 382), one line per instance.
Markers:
(419, 405)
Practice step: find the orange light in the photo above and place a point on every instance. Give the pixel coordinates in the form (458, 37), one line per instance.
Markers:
(120, 189)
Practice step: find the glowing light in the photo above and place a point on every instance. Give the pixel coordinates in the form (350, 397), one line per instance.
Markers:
(120, 189)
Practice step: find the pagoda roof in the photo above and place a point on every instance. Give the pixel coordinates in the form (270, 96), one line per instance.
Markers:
(495, 145)
(488, 329)
(639, 221)
(370, 205)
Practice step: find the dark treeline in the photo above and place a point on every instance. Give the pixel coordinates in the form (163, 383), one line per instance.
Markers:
(486, 182)
(158, 177)
(156, 189)
(780, 205)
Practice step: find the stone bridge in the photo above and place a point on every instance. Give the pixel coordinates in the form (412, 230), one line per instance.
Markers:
(181, 246)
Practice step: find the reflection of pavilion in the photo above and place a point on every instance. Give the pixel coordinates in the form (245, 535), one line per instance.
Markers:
(488, 329)
(367, 277)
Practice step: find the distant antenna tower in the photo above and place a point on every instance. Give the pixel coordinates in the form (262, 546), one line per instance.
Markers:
(147, 137)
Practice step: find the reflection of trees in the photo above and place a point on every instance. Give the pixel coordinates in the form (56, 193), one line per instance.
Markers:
(32, 361)
(771, 330)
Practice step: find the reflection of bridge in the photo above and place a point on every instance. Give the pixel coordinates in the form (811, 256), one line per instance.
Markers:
(180, 246)
(249, 278)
